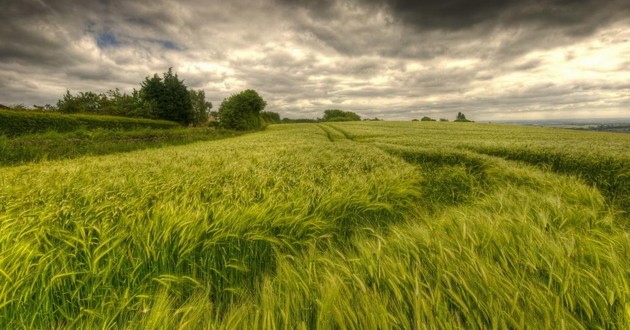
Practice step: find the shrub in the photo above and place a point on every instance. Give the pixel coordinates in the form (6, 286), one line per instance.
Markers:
(242, 111)
(14, 123)
(340, 115)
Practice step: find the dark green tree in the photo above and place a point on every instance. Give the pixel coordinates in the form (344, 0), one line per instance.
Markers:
(461, 117)
(270, 117)
(68, 104)
(242, 111)
(84, 102)
(340, 115)
(201, 107)
(170, 97)
(425, 118)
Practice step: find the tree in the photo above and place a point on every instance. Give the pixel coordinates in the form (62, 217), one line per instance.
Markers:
(242, 111)
(131, 105)
(19, 107)
(425, 118)
(270, 117)
(170, 97)
(461, 117)
(69, 104)
(201, 107)
(340, 115)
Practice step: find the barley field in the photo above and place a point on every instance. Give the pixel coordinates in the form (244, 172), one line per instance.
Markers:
(358, 225)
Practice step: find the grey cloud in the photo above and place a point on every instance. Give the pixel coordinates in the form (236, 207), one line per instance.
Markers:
(385, 58)
(431, 29)
(464, 14)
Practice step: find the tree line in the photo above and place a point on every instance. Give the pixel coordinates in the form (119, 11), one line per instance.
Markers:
(459, 118)
(166, 97)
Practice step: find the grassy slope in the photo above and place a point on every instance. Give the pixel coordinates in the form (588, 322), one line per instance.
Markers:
(53, 145)
(16, 123)
(348, 225)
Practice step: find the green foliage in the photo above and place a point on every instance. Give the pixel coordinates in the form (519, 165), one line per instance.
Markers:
(112, 103)
(18, 107)
(461, 118)
(201, 107)
(354, 225)
(340, 115)
(270, 117)
(164, 98)
(170, 98)
(242, 111)
(53, 145)
(14, 123)
(425, 118)
(298, 120)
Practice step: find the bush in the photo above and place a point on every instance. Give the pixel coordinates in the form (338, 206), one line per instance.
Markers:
(242, 111)
(270, 117)
(14, 123)
(340, 115)
(461, 118)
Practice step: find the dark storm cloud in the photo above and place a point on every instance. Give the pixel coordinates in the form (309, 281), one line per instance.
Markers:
(435, 28)
(582, 16)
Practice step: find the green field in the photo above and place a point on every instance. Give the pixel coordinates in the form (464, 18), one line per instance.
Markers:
(16, 123)
(357, 225)
(52, 145)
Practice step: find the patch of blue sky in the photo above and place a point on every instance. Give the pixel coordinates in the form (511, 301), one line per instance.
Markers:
(106, 39)
(169, 44)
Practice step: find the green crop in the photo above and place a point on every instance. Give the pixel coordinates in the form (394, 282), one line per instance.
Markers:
(16, 123)
(334, 226)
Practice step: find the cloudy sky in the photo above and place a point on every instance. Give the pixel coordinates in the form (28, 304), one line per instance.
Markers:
(393, 59)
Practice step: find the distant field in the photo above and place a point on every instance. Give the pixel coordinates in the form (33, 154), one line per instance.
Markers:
(356, 225)
(15, 123)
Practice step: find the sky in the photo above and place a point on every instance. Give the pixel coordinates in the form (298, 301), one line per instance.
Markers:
(391, 59)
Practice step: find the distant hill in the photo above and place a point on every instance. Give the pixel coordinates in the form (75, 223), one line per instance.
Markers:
(2, 106)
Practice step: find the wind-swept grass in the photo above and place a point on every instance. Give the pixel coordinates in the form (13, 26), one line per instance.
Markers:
(16, 123)
(350, 226)
(53, 145)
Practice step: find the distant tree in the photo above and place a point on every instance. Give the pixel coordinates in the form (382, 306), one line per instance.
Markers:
(298, 120)
(461, 117)
(201, 107)
(414, 119)
(170, 97)
(132, 105)
(19, 106)
(270, 117)
(443, 119)
(425, 118)
(91, 102)
(86, 102)
(242, 111)
(340, 115)
(69, 104)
